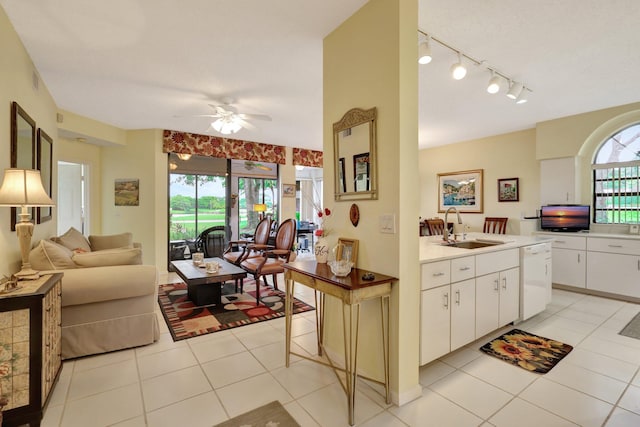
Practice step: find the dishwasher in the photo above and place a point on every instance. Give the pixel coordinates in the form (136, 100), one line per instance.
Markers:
(535, 279)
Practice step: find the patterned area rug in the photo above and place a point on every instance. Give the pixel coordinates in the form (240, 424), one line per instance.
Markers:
(270, 415)
(528, 351)
(186, 320)
(633, 328)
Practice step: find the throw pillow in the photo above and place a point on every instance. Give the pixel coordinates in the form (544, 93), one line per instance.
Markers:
(121, 256)
(73, 239)
(99, 243)
(48, 255)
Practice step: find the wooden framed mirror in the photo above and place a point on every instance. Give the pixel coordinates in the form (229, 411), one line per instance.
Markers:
(45, 165)
(23, 147)
(347, 249)
(354, 140)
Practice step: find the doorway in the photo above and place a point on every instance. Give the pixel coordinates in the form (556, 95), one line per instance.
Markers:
(72, 204)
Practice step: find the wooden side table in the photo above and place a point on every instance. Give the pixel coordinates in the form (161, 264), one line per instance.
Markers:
(30, 345)
(351, 290)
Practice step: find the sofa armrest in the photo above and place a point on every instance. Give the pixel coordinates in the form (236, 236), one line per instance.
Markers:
(88, 285)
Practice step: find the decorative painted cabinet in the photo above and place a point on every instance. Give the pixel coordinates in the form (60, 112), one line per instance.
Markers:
(29, 348)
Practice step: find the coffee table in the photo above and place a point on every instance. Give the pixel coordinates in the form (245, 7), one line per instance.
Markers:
(206, 288)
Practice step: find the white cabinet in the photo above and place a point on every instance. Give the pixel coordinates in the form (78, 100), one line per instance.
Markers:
(463, 313)
(497, 300)
(569, 260)
(614, 266)
(558, 181)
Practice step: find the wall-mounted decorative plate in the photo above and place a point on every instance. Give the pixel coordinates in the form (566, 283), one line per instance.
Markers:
(354, 215)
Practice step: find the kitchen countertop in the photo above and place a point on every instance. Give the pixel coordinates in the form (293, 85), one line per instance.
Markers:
(432, 249)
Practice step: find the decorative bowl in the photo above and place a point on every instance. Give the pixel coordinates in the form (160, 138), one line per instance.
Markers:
(341, 268)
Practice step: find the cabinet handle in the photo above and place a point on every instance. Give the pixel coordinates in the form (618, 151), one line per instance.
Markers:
(504, 283)
(639, 265)
(561, 241)
(440, 273)
(546, 269)
(458, 297)
(465, 268)
(615, 246)
(578, 257)
(497, 287)
(446, 300)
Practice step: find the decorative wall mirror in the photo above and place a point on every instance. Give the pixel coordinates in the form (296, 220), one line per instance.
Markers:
(347, 249)
(45, 165)
(354, 143)
(23, 145)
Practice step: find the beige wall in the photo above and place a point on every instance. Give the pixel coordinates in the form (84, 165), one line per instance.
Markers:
(17, 72)
(509, 155)
(370, 61)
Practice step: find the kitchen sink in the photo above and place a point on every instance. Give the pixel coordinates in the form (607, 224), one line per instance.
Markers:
(473, 244)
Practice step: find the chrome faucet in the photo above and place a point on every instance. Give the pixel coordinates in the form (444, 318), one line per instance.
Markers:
(445, 232)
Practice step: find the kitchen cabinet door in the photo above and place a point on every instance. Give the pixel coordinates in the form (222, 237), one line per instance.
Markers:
(614, 273)
(487, 303)
(509, 296)
(463, 313)
(435, 323)
(569, 267)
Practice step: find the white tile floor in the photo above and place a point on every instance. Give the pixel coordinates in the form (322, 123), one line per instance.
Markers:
(209, 379)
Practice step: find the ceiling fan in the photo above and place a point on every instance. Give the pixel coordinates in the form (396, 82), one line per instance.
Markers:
(228, 119)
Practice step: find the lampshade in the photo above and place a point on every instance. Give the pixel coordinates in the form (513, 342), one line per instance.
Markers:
(424, 53)
(227, 125)
(458, 70)
(23, 187)
(259, 207)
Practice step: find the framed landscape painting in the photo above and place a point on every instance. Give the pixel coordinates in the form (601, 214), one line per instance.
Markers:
(508, 190)
(461, 190)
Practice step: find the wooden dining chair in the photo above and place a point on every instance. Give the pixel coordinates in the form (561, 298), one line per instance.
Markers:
(436, 226)
(495, 225)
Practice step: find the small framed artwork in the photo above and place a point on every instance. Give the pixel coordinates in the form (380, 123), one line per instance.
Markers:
(461, 190)
(361, 172)
(508, 190)
(288, 190)
(347, 250)
(45, 165)
(127, 192)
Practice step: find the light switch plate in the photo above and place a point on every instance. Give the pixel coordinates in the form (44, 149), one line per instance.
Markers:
(634, 228)
(388, 223)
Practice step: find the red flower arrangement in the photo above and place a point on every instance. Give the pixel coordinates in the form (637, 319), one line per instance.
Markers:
(323, 215)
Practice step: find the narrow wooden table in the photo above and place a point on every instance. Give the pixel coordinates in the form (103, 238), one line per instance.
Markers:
(351, 290)
(206, 288)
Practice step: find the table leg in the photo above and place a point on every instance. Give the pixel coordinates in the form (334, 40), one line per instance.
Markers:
(288, 311)
(319, 319)
(351, 324)
(384, 312)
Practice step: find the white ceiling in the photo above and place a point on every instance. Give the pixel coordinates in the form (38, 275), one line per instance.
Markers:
(138, 64)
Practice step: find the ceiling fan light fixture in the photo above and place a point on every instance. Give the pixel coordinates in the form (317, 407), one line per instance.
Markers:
(184, 156)
(424, 52)
(494, 84)
(227, 125)
(515, 90)
(458, 70)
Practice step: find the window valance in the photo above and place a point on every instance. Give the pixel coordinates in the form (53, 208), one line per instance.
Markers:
(304, 157)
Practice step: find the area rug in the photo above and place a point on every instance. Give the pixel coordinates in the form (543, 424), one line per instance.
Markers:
(528, 351)
(270, 415)
(632, 329)
(186, 320)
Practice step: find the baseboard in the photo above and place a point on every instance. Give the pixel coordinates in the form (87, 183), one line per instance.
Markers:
(407, 396)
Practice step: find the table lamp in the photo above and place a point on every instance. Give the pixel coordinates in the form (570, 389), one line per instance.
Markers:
(23, 188)
(260, 208)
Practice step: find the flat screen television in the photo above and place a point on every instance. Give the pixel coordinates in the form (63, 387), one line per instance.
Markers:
(565, 217)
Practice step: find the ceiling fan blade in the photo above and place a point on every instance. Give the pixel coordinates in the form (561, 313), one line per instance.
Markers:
(254, 116)
(245, 124)
(200, 115)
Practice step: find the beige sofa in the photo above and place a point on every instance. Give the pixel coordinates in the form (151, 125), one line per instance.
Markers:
(108, 296)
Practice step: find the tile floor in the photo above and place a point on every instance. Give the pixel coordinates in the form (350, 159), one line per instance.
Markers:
(209, 379)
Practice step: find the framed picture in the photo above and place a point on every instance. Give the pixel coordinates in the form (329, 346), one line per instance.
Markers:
(508, 190)
(45, 150)
(347, 250)
(361, 172)
(23, 149)
(288, 190)
(127, 192)
(461, 190)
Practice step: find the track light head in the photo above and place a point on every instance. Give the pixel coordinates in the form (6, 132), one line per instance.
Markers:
(522, 98)
(494, 83)
(424, 52)
(515, 90)
(458, 71)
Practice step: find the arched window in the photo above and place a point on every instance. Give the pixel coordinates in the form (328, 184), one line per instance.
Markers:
(616, 178)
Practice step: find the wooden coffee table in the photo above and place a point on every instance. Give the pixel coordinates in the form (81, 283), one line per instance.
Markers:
(206, 288)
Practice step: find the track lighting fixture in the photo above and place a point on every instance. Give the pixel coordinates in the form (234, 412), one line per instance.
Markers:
(494, 83)
(458, 70)
(424, 52)
(517, 90)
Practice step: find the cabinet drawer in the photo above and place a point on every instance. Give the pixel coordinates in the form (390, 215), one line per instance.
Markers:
(615, 246)
(435, 274)
(463, 268)
(496, 261)
(570, 242)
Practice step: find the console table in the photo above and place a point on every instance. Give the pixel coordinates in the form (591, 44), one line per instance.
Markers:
(351, 291)
(30, 336)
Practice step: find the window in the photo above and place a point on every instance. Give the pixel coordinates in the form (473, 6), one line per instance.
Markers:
(616, 178)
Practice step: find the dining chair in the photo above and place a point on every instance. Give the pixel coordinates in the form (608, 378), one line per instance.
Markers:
(212, 241)
(272, 260)
(436, 226)
(495, 225)
(239, 250)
